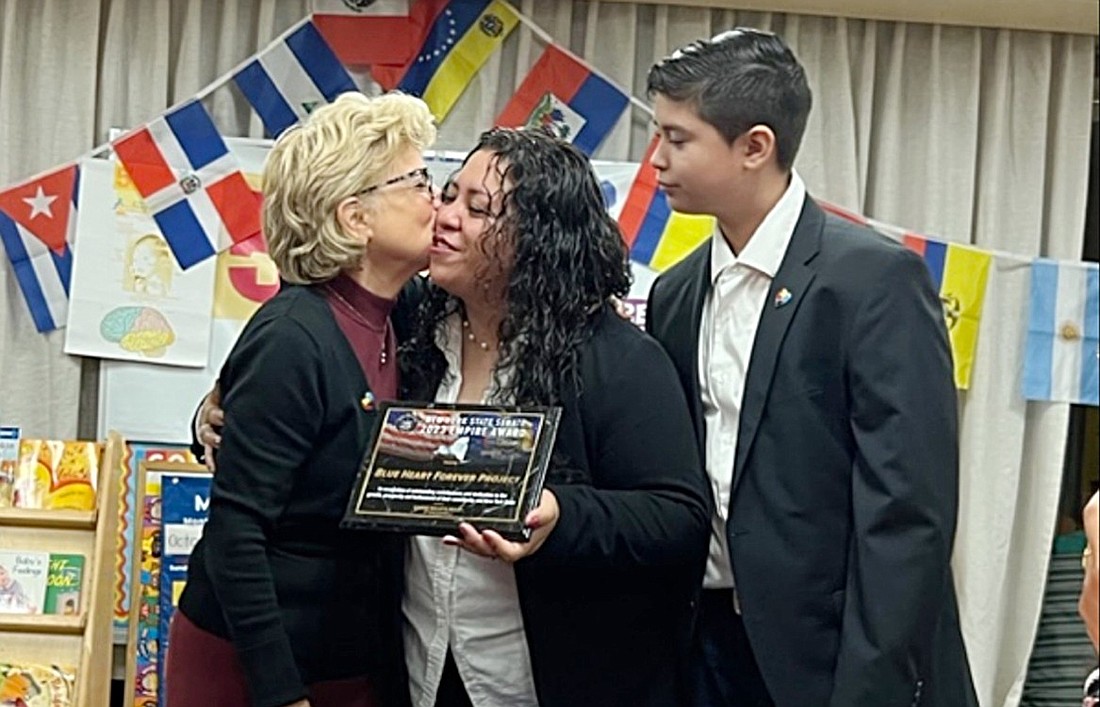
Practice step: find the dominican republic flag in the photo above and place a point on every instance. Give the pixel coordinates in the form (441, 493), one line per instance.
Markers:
(1063, 333)
(291, 77)
(562, 93)
(37, 226)
(191, 183)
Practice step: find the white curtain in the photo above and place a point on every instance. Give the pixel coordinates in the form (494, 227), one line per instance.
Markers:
(969, 135)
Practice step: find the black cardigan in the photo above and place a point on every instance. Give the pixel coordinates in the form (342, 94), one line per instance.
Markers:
(607, 600)
(302, 600)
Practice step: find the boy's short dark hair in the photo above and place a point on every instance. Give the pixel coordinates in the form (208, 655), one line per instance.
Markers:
(738, 79)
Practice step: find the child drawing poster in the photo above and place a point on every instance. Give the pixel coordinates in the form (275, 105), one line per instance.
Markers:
(129, 299)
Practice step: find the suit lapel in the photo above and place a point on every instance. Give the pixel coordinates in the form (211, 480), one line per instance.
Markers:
(794, 276)
(682, 340)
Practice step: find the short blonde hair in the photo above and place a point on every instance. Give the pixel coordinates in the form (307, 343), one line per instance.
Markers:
(341, 149)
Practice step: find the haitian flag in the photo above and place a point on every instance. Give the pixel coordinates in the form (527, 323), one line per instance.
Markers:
(37, 226)
(191, 183)
(291, 77)
(959, 274)
(563, 94)
(460, 39)
(1063, 333)
(657, 236)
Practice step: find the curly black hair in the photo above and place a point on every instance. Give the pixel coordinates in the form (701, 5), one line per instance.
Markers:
(567, 257)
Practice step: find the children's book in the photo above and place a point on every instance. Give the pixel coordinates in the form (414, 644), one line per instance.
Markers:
(63, 584)
(56, 474)
(23, 581)
(32, 685)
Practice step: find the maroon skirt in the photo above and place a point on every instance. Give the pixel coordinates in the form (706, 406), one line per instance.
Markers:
(203, 671)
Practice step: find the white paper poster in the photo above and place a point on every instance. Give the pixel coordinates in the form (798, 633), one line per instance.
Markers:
(155, 403)
(129, 298)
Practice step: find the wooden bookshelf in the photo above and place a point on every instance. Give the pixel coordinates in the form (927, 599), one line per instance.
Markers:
(33, 518)
(39, 623)
(82, 642)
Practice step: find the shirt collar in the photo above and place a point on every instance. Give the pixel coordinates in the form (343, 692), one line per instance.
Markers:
(768, 244)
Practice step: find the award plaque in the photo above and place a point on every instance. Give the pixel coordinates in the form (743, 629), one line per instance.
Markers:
(430, 467)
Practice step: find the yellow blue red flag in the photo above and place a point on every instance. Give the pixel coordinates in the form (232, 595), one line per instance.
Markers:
(960, 274)
(657, 236)
(462, 36)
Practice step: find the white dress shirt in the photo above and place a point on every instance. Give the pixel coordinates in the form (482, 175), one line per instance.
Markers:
(458, 599)
(727, 330)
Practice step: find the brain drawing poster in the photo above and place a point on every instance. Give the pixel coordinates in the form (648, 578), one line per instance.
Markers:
(129, 300)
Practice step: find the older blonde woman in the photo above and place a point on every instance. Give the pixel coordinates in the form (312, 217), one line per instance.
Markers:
(281, 606)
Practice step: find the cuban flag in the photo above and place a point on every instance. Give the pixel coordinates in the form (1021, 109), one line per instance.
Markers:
(37, 226)
(192, 185)
(562, 94)
(291, 77)
(1063, 334)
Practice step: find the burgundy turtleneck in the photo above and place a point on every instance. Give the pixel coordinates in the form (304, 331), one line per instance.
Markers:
(368, 330)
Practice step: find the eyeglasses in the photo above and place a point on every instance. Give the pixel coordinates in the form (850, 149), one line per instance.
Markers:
(421, 178)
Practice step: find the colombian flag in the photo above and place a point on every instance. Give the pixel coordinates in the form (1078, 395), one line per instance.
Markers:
(562, 93)
(658, 237)
(960, 275)
(460, 39)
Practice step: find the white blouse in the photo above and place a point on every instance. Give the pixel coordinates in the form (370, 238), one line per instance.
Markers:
(458, 599)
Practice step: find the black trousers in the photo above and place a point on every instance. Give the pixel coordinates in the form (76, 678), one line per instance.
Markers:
(451, 692)
(724, 671)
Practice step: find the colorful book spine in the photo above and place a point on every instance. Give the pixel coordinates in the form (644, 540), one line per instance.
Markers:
(9, 462)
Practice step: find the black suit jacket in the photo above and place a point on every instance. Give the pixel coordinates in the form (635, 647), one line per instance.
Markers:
(607, 600)
(845, 481)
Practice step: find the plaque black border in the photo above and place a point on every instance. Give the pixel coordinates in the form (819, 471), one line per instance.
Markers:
(439, 525)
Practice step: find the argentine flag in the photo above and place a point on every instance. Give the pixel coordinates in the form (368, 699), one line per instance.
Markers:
(1063, 342)
(291, 77)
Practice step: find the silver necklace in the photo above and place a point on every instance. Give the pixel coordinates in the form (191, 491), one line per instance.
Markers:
(383, 354)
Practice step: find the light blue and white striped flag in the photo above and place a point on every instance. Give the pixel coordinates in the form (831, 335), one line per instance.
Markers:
(1063, 333)
(292, 76)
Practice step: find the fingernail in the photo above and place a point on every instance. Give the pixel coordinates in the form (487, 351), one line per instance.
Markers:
(450, 540)
(533, 522)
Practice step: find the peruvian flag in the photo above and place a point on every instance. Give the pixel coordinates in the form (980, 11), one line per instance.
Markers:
(193, 186)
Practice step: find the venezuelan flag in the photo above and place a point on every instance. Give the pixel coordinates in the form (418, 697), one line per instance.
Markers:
(657, 236)
(463, 35)
(960, 274)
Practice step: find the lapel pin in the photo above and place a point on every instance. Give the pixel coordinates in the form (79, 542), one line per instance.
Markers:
(367, 401)
(782, 297)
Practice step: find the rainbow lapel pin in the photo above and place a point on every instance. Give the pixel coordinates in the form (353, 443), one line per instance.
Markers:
(367, 401)
(782, 297)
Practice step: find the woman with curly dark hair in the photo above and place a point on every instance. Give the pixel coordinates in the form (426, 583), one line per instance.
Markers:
(595, 608)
